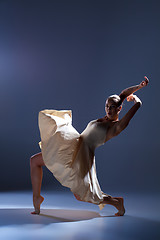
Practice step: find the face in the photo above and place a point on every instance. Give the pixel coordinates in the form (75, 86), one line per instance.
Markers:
(112, 111)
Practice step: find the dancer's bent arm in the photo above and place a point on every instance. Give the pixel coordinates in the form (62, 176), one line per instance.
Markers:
(123, 123)
(128, 91)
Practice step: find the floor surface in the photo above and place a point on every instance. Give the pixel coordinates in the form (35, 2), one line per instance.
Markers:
(63, 217)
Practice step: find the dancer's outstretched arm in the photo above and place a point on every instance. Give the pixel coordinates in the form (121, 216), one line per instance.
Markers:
(128, 91)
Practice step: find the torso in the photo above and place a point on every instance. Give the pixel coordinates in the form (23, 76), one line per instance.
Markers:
(98, 132)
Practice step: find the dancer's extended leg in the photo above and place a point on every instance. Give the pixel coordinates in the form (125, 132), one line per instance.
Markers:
(36, 163)
(117, 202)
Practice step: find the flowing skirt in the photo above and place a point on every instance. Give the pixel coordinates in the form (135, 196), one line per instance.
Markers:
(66, 154)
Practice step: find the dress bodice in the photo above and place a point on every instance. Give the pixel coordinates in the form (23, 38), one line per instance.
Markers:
(94, 134)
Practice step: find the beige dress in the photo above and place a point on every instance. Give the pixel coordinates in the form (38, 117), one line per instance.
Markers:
(70, 155)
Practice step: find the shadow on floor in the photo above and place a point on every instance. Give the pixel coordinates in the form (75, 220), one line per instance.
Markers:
(23, 216)
(68, 215)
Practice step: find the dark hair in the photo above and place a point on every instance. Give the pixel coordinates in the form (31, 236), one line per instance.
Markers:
(115, 98)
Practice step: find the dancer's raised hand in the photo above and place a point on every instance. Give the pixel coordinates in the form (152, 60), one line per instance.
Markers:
(145, 82)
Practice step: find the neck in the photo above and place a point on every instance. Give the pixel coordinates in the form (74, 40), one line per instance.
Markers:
(114, 119)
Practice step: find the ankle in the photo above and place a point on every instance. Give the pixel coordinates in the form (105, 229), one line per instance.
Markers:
(36, 196)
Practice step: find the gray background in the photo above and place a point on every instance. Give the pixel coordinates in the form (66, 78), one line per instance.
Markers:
(73, 55)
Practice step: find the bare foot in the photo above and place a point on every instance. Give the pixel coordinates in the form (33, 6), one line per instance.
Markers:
(120, 206)
(37, 201)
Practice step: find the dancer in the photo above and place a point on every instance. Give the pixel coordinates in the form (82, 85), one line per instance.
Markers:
(70, 155)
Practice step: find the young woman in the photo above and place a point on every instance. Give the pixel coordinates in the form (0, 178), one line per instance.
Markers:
(70, 155)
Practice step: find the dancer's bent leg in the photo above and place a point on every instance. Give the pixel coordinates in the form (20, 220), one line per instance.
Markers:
(36, 163)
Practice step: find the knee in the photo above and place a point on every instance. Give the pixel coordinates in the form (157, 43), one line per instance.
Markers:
(36, 160)
(32, 160)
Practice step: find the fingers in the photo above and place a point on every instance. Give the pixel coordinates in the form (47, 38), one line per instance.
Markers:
(130, 98)
(146, 80)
